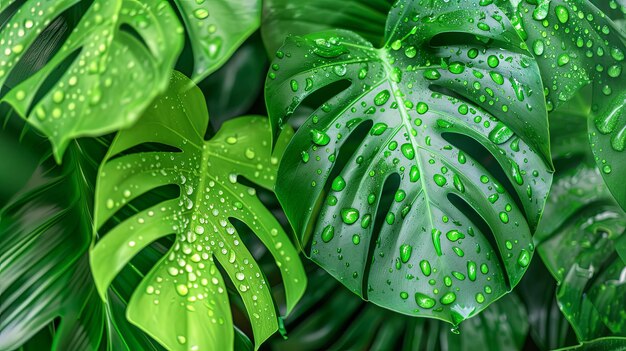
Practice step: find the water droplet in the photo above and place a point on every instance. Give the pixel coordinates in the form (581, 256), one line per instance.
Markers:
(471, 270)
(439, 179)
(294, 85)
(448, 298)
(432, 74)
(182, 290)
(338, 184)
(424, 301)
(493, 61)
(201, 13)
(378, 128)
(454, 235)
(561, 13)
(425, 267)
(328, 233)
(408, 151)
(349, 215)
(456, 68)
(538, 47)
(319, 137)
(524, 258)
(405, 252)
(382, 97)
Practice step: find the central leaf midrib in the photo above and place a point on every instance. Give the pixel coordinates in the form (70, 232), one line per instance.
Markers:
(406, 122)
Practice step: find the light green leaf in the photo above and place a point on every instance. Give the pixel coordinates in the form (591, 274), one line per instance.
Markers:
(451, 88)
(115, 61)
(183, 302)
(576, 44)
(216, 28)
(112, 76)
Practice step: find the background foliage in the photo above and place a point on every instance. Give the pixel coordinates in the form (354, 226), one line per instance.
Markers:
(437, 146)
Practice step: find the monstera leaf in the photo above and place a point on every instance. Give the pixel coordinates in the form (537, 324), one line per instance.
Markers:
(283, 17)
(116, 60)
(449, 119)
(576, 44)
(182, 302)
(329, 317)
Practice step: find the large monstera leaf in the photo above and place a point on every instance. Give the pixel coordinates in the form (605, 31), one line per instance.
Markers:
(450, 72)
(576, 44)
(114, 62)
(182, 302)
(331, 318)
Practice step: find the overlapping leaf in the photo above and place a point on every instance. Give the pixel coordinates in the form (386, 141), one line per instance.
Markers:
(115, 61)
(582, 237)
(576, 44)
(183, 302)
(282, 18)
(452, 86)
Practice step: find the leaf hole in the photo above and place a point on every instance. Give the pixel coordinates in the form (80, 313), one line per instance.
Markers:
(485, 158)
(482, 227)
(385, 200)
(316, 99)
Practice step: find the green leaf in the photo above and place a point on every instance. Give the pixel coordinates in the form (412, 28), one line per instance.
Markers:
(549, 329)
(579, 239)
(110, 75)
(451, 88)
(329, 317)
(576, 44)
(577, 242)
(282, 18)
(116, 60)
(182, 302)
(601, 344)
(216, 28)
(45, 233)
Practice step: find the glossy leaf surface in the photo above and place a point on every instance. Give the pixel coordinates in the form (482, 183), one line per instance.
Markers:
(182, 302)
(451, 88)
(114, 62)
(576, 44)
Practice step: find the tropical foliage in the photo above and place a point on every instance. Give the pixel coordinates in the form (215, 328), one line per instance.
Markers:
(374, 175)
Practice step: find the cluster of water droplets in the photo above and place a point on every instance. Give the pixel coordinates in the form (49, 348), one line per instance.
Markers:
(575, 44)
(207, 173)
(95, 92)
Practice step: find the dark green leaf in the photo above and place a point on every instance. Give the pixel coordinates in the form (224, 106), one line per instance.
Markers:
(282, 18)
(576, 44)
(329, 317)
(579, 239)
(451, 89)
